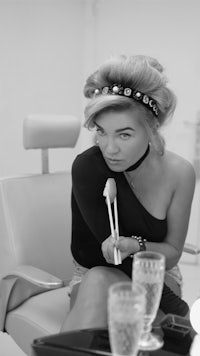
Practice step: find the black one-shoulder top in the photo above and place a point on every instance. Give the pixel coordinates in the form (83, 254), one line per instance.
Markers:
(90, 221)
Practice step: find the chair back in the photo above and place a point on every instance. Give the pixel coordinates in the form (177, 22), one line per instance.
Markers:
(35, 223)
(35, 210)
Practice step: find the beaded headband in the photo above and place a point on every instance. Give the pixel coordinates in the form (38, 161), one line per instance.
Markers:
(118, 89)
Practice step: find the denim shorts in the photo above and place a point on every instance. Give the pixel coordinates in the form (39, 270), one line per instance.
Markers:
(78, 274)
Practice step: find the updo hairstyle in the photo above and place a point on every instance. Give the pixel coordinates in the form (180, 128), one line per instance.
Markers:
(138, 72)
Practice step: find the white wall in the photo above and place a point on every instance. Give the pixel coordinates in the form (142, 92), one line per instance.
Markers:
(41, 61)
(166, 29)
(48, 47)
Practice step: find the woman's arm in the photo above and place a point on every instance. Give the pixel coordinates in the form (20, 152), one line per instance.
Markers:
(88, 181)
(178, 215)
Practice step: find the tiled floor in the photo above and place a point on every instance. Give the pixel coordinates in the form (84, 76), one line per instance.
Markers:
(191, 291)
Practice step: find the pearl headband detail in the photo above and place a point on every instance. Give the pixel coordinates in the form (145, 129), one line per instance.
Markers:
(118, 89)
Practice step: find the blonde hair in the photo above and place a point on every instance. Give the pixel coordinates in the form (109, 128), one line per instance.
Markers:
(138, 72)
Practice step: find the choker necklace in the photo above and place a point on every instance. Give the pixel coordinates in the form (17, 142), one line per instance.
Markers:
(138, 163)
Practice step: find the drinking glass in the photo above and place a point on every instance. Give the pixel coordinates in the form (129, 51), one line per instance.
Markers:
(148, 271)
(126, 305)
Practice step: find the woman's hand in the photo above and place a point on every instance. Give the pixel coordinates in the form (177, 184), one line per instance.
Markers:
(126, 245)
(107, 248)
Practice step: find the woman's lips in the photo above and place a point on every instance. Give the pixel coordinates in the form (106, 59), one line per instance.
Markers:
(113, 160)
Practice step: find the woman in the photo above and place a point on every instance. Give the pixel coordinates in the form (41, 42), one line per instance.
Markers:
(129, 101)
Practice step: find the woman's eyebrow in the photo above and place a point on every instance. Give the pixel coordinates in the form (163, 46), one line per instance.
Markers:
(118, 130)
(125, 128)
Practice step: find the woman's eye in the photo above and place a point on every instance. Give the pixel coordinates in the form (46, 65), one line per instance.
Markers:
(125, 136)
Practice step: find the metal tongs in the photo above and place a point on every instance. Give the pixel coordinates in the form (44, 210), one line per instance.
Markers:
(110, 192)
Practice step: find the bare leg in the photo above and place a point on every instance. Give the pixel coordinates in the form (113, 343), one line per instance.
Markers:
(89, 299)
(74, 294)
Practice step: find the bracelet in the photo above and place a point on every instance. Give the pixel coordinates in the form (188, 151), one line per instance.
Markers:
(141, 242)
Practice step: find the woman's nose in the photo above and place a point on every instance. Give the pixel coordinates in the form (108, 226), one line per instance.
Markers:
(111, 147)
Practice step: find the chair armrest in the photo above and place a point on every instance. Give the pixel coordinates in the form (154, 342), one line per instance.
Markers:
(21, 284)
(192, 249)
(36, 276)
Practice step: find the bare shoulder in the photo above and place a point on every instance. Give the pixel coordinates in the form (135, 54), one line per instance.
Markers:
(181, 169)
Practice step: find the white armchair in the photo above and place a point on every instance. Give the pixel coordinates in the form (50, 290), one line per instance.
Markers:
(35, 234)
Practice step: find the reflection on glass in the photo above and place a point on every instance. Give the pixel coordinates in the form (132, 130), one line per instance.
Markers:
(126, 305)
(148, 271)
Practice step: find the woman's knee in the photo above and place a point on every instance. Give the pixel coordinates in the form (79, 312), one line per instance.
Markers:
(102, 277)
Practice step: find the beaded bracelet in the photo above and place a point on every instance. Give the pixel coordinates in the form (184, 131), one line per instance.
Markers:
(141, 242)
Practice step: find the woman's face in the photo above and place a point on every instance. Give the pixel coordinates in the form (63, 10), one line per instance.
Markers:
(122, 139)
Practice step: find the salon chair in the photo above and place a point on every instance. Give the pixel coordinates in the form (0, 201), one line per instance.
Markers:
(35, 234)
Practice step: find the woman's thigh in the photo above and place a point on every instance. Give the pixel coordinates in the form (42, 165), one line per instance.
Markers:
(94, 285)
